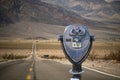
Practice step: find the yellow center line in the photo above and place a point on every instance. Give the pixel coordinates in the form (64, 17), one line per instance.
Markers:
(28, 77)
(32, 64)
(30, 69)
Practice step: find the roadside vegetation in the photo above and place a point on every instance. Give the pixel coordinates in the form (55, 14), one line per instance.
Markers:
(105, 50)
(102, 50)
(10, 50)
(51, 49)
(11, 54)
(113, 55)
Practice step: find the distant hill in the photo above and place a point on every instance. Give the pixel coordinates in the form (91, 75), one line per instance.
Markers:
(12, 11)
(99, 15)
(98, 10)
(45, 19)
(30, 30)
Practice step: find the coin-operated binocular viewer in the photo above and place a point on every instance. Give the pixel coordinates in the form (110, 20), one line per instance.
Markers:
(76, 43)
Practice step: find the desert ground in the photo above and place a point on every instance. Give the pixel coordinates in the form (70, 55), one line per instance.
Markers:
(102, 56)
(101, 49)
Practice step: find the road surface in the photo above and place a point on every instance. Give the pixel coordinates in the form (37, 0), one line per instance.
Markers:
(37, 69)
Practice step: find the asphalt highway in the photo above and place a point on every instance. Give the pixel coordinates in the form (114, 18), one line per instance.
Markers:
(37, 69)
(15, 70)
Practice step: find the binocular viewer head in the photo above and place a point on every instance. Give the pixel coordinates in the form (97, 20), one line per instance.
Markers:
(76, 42)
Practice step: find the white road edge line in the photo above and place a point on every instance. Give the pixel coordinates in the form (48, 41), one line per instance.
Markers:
(101, 72)
(96, 71)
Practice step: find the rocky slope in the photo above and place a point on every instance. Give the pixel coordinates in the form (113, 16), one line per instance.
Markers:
(12, 11)
(23, 18)
(100, 10)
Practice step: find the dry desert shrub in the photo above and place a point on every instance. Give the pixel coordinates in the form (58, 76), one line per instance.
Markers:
(14, 53)
(50, 53)
(100, 49)
(113, 55)
(104, 54)
(13, 56)
(105, 51)
(92, 56)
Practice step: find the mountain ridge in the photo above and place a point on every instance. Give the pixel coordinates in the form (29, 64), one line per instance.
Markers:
(35, 19)
(92, 7)
(35, 10)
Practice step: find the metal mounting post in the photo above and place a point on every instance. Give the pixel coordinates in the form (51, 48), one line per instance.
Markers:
(76, 71)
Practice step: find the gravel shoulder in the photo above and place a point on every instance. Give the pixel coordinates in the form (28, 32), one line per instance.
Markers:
(110, 67)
